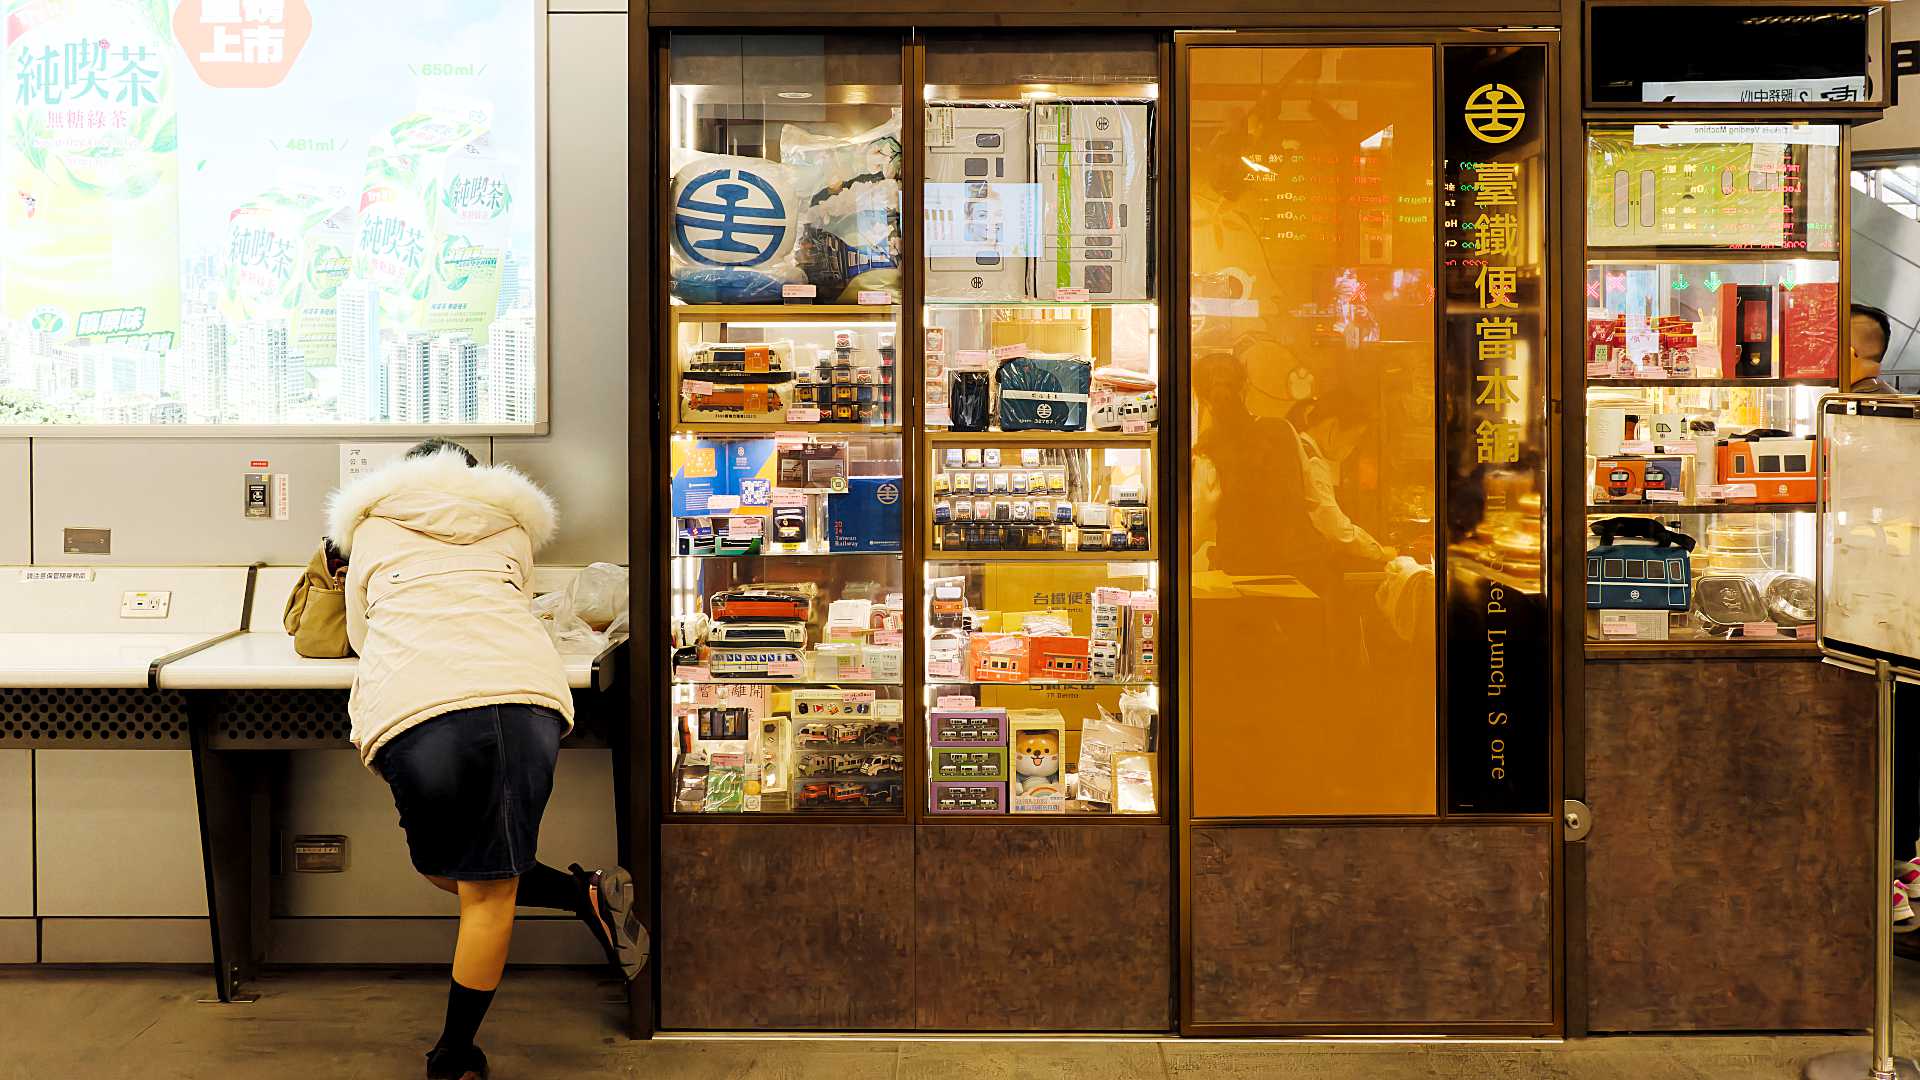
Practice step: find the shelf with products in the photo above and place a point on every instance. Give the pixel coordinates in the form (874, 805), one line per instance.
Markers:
(1715, 322)
(757, 749)
(1042, 689)
(1035, 499)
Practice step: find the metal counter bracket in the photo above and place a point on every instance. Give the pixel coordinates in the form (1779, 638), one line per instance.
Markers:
(1879, 1063)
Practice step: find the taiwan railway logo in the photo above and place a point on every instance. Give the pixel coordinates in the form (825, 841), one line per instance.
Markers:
(731, 217)
(1495, 113)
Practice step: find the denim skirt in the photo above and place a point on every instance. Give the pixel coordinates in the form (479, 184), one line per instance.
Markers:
(471, 787)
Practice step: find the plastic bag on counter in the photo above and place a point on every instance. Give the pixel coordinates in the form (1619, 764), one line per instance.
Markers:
(570, 633)
(598, 595)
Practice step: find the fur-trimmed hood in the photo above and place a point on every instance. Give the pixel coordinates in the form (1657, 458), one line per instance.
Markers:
(440, 497)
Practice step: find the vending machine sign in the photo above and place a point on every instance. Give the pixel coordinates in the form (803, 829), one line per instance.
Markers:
(1494, 391)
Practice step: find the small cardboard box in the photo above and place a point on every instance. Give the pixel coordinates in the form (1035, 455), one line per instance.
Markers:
(997, 658)
(1064, 659)
(1037, 775)
(967, 727)
(981, 763)
(966, 797)
(1619, 480)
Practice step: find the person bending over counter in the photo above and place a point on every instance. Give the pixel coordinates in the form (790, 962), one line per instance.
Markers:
(459, 702)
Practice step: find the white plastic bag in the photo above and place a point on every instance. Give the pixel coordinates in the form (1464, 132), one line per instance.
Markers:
(598, 594)
(570, 633)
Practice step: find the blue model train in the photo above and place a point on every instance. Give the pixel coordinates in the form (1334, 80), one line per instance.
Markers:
(1655, 573)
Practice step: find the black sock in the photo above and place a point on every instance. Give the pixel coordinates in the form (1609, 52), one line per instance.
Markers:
(557, 890)
(466, 1008)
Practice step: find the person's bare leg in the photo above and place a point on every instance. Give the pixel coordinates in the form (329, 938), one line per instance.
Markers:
(486, 930)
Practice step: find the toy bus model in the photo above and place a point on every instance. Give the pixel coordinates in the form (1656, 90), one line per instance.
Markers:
(1781, 467)
(1655, 576)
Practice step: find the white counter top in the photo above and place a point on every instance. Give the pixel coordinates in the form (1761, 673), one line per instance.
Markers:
(265, 660)
(85, 661)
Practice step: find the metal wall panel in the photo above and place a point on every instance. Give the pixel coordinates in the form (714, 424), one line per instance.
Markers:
(582, 462)
(19, 941)
(16, 494)
(329, 791)
(125, 941)
(117, 832)
(16, 833)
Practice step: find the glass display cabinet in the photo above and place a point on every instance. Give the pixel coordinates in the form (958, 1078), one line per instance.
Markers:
(786, 465)
(1714, 325)
(1042, 368)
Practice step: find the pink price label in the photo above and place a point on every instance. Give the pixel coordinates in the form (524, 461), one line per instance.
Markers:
(803, 414)
(1072, 296)
(1807, 633)
(746, 528)
(1759, 629)
(798, 292)
(687, 673)
(696, 388)
(1010, 352)
(972, 358)
(857, 674)
(787, 498)
(1667, 496)
(784, 669)
(954, 701)
(1133, 427)
(875, 296)
(1600, 370)
(886, 637)
(1637, 446)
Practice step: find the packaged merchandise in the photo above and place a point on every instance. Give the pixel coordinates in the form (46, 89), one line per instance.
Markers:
(1093, 167)
(997, 658)
(726, 784)
(866, 516)
(1133, 784)
(848, 189)
(984, 763)
(1810, 331)
(1620, 480)
(1727, 602)
(1100, 741)
(1060, 658)
(981, 218)
(969, 399)
(967, 727)
(1781, 467)
(722, 476)
(967, 797)
(1044, 392)
(1746, 331)
(735, 222)
(1143, 638)
(1037, 739)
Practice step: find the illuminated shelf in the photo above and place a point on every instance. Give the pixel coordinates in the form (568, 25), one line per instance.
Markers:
(727, 313)
(1111, 438)
(939, 555)
(1045, 684)
(796, 555)
(1610, 509)
(754, 431)
(1734, 383)
(969, 302)
(798, 684)
(1699, 648)
(1696, 255)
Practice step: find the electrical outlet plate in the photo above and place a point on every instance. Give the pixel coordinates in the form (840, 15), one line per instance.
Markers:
(145, 605)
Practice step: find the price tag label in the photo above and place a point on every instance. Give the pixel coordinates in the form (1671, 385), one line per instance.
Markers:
(1739, 491)
(787, 498)
(886, 637)
(1072, 296)
(973, 358)
(1637, 446)
(1617, 627)
(798, 292)
(1009, 352)
(1599, 370)
(696, 388)
(1133, 427)
(803, 414)
(1652, 372)
(1759, 629)
(857, 674)
(688, 673)
(1807, 633)
(943, 669)
(1107, 594)
(784, 669)
(875, 296)
(1667, 496)
(954, 701)
(746, 528)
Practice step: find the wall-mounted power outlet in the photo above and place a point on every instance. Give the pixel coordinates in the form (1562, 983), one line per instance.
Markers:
(145, 605)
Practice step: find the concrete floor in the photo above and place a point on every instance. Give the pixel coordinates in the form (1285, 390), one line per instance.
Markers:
(345, 1025)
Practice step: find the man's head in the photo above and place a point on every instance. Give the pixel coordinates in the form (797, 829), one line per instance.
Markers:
(438, 445)
(1868, 332)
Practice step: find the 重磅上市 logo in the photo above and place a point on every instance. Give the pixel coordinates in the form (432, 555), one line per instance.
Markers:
(1495, 113)
(731, 217)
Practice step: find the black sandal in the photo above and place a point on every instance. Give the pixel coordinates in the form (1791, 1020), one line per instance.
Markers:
(608, 898)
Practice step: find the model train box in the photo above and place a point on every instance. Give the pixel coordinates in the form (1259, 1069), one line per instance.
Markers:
(1092, 164)
(969, 763)
(966, 797)
(966, 727)
(1037, 744)
(866, 516)
(997, 658)
(737, 383)
(981, 212)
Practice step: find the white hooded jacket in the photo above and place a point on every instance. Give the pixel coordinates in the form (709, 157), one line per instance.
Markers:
(440, 566)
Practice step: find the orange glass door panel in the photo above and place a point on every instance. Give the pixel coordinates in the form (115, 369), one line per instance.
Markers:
(1313, 667)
